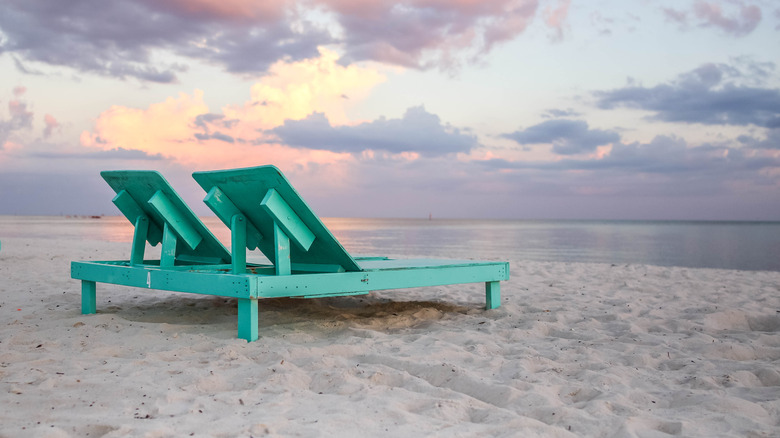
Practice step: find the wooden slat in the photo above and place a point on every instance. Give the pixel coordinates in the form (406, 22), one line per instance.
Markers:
(132, 211)
(282, 253)
(285, 217)
(175, 219)
(225, 210)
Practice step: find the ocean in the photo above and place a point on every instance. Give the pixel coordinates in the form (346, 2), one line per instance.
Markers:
(749, 246)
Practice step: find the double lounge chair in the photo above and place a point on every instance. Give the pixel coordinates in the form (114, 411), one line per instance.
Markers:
(264, 212)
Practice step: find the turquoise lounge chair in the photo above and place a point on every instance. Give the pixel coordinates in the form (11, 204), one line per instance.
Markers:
(264, 212)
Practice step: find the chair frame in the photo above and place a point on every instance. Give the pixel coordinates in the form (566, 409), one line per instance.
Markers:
(182, 268)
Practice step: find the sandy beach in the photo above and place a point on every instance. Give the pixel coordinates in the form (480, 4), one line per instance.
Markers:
(575, 350)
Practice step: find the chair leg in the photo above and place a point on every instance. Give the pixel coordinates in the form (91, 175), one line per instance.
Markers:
(492, 294)
(88, 297)
(247, 319)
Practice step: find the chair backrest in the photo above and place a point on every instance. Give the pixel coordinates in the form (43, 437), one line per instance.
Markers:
(146, 194)
(269, 202)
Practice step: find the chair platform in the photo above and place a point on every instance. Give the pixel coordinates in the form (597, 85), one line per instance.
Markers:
(263, 212)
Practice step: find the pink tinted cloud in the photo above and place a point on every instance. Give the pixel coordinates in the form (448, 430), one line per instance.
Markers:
(741, 24)
(556, 18)
(777, 15)
(19, 114)
(51, 125)
(228, 10)
(427, 33)
(675, 16)
(184, 130)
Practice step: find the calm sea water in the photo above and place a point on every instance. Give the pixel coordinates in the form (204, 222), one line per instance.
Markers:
(728, 245)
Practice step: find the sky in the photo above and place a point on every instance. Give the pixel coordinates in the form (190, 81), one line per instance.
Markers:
(505, 109)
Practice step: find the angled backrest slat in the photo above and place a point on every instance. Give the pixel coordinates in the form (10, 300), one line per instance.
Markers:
(248, 188)
(147, 193)
(132, 211)
(176, 219)
(285, 217)
(225, 209)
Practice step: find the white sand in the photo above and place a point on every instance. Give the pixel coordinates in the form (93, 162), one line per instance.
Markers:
(575, 350)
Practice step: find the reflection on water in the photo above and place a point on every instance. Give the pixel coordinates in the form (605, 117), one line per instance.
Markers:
(105, 228)
(729, 245)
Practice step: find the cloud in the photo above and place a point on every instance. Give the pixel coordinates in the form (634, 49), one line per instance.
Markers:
(554, 113)
(51, 124)
(216, 136)
(231, 10)
(712, 94)
(418, 131)
(556, 18)
(666, 166)
(771, 141)
(110, 154)
(676, 16)
(664, 155)
(293, 90)
(427, 33)
(568, 137)
(777, 15)
(20, 117)
(741, 24)
(186, 131)
(124, 38)
(130, 38)
(743, 20)
(162, 128)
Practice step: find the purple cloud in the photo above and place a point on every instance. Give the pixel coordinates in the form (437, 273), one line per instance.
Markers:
(777, 15)
(554, 113)
(417, 131)
(51, 124)
(711, 15)
(216, 136)
(122, 38)
(772, 140)
(20, 117)
(568, 137)
(712, 94)
(675, 16)
(427, 33)
(665, 166)
(209, 121)
(111, 154)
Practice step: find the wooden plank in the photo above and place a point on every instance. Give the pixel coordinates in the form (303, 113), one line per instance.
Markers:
(393, 278)
(247, 319)
(225, 210)
(132, 211)
(198, 282)
(175, 219)
(88, 297)
(238, 226)
(168, 250)
(139, 240)
(282, 253)
(127, 205)
(316, 267)
(492, 294)
(285, 217)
